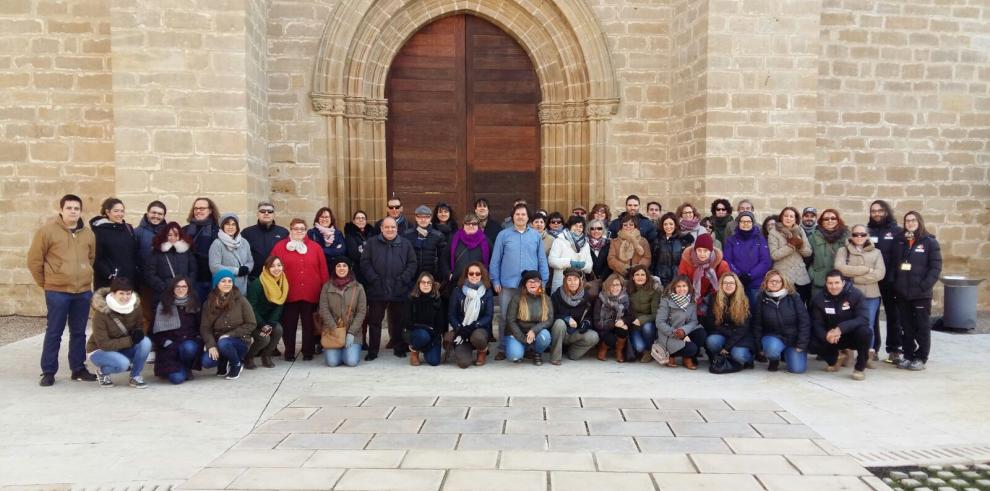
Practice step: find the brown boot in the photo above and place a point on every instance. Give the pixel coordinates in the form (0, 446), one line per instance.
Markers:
(620, 348)
(414, 358)
(671, 362)
(266, 361)
(482, 356)
(647, 357)
(689, 363)
(602, 350)
(249, 363)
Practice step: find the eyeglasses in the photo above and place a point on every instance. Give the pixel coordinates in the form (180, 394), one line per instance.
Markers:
(579, 213)
(391, 207)
(201, 208)
(474, 273)
(471, 224)
(298, 229)
(877, 211)
(181, 287)
(829, 219)
(859, 234)
(266, 212)
(911, 220)
(745, 221)
(426, 282)
(556, 222)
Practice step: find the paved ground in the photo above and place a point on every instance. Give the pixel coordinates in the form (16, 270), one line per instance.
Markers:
(81, 434)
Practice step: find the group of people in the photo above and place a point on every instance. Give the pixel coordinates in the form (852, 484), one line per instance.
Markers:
(665, 286)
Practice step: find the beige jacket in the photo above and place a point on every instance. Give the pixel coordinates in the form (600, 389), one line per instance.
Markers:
(334, 303)
(788, 260)
(865, 268)
(60, 259)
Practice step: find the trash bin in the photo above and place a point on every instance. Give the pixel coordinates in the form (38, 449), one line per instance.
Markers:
(960, 302)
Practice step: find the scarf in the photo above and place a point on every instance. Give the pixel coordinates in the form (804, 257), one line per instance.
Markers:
(702, 271)
(719, 223)
(231, 243)
(577, 240)
(834, 235)
(472, 241)
(341, 283)
(808, 230)
(572, 300)
(297, 246)
(629, 245)
(181, 301)
(472, 302)
(596, 244)
(554, 233)
(689, 224)
(789, 233)
(180, 246)
(203, 230)
(125, 308)
(329, 234)
(616, 304)
(444, 228)
(167, 321)
(276, 289)
(422, 232)
(744, 235)
(681, 301)
(779, 294)
(223, 300)
(886, 222)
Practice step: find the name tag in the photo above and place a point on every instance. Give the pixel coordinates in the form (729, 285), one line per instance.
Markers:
(829, 310)
(874, 239)
(905, 266)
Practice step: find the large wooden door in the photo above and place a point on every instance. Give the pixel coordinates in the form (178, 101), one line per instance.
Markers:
(462, 120)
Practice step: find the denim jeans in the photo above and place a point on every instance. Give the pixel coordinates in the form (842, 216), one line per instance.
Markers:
(773, 348)
(504, 297)
(873, 305)
(232, 350)
(514, 350)
(348, 356)
(715, 342)
(188, 351)
(110, 362)
(420, 340)
(74, 309)
(642, 338)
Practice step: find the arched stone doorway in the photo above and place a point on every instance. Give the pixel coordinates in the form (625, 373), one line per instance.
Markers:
(462, 118)
(569, 54)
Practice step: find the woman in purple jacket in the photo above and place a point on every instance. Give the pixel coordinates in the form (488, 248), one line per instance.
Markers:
(747, 254)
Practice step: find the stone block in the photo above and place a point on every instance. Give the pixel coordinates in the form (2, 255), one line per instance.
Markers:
(681, 445)
(718, 430)
(829, 465)
(451, 459)
(429, 412)
(736, 464)
(407, 426)
(413, 441)
(262, 458)
(644, 462)
(581, 481)
(390, 479)
(592, 443)
(505, 413)
(708, 482)
(356, 459)
(494, 480)
(583, 414)
(548, 402)
(780, 482)
(662, 415)
(502, 442)
(378, 401)
(624, 428)
(774, 446)
(320, 441)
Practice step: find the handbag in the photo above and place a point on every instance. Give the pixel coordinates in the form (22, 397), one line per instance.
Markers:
(660, 353)
(335, 337)
(723, 363)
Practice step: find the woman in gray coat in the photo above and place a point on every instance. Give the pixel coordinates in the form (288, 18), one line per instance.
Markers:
(677, 324)
(231, 252)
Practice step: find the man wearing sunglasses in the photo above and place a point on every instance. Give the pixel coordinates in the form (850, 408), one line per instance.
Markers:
(393, 210)
(263, 236)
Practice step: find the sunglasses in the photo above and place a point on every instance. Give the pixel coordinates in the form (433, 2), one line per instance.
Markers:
(579, 213)
(394, 207)
(597, 228)
(829, 219)
(859, 234)
(474, 273)
(720, 209)
(555, 222)
(266, 212)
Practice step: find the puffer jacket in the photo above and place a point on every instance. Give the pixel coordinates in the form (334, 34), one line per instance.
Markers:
(787, 318)
(748, 256)
(562, 253)
(356, 240)
(389, 268)
(107, 335)
(671, 316)
(864, 267)
(923, 261)
(432, 253)
(237, 321)
(788, 260)
(162, 267)
(667, 253)
(262, 239)
(823, 256)
(145, 233)
(116, 252)
(644, 301)
(336, 302)
(60, 259)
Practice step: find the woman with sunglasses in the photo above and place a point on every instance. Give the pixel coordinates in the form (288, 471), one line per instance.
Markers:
(598, 246)
(720, 218)
(862, 263)
(472, 308)
(468, 245)
(918, 259)
(828, 238)
(602, 213)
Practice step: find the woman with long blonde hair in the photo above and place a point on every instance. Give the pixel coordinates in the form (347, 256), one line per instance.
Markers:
(528, 317)
(727, 321)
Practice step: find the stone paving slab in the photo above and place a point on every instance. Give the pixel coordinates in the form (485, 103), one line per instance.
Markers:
(499, 480)
(662, 415)
(331, 413)
(717, 430)
(356, 459)
(451, 459)
(491, 426)
(625, 428)
(523, 426)
(596, 481)
(547, 461)
(644, 462)
(618, 402)
(390, 479)
(739, 464)
(321, 441)
(419, 401)
(740, 416)
(414, 441)
(529, 401)
(502, 442)
(708, 482)
(583, 414)
(689, 444)
(774, 446)
(380, 427)
(264, 478)
(452, 412)
(780, 482)
(473, 401)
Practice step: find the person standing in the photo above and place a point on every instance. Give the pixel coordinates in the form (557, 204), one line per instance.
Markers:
(327, 235)
(721, 216)
(203, 227)
(646, 228)
(669, 248)
(170, 258)
(468, 245)
(60, 260)
(689, 221)
(830, 236)
(262, 236)
(747, 253)
(788, 246)
(741, 206)
(430, 247)
(884, 231)
(443, 220)
(231, 252)
(356, 234)
(305, 268)
(394, 210)
(389, 267)
(151, 224)
(918, 259)
(629, 248)
(570, 250)
(490, 226)
(116, 245)
(862, 263)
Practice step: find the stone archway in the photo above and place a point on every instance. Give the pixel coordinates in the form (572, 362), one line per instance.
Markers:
(570, 57)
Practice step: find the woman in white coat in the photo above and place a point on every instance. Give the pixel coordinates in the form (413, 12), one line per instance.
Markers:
(569, 250)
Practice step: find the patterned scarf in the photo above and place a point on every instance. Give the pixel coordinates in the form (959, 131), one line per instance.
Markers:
(577, 240)
(597, 244)
(682, 301)
(702, 271)
(329, 234)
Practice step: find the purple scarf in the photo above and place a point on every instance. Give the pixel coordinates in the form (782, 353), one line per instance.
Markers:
(472, 241)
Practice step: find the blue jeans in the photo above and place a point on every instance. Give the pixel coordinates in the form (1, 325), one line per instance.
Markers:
(773, 348)
(420, 340)
(74, 309)
(232, 350)
(873, 305)
(348, 356)
(110, 362)
(514, 350)
(715, 342)
(642, 338)
(188, 351)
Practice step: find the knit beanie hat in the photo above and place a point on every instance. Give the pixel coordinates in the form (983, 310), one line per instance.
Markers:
(221, 274)
(527, 275)
(704, 241)
(573, 272)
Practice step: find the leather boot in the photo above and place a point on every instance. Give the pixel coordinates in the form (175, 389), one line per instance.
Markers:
(482, 356)
(602, 350)
(414, 358)
(672, 361)
(620, 348)
(266, 361)
(249, 363)
(689, 363)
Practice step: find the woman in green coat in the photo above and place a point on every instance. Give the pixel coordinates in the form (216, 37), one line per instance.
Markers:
(645, 292)
(267, 295)
(828, 238)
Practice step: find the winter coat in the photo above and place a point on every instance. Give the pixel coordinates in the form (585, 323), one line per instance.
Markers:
(116, 252)
(687, 268)
(424, 312)
(786, 318)
(389, 268)
(847, 311)
(788, 260)
(884, 236)
(462, 257)
(203, 238)
(222, 257)
(924, 263)
(644, 301)
(237, 321)
(599, 260)
(517, 328)
(620, 266)
(262, 239)
(306, 272)
(336, 302)
(356, 240)
(145, 234)
(432, 253)
(162, 267)
(671, 316)
(491, 229)
(646, 227)
(265, 312)
(604, 317)
(455, 313)
(823, 256)
(563, 310)
(865, 268)
(748, 257)
(339, 247)
(106, 334)
(515, 252)
(736, 335)
(667, 253)
(562, 253)
(403, 226)
(60, 259)
(167, 358)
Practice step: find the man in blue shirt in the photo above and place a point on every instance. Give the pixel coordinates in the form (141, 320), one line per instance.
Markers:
(517, 249)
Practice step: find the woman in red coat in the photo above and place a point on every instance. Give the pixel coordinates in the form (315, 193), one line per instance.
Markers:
(704, 265)
(305, 268)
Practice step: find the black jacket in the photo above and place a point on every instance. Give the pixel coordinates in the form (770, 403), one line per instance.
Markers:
(492, 228)
(262, 240)
(163, 266)
(667, 254)
(786, 318)
(847, 311)
(462, 257)
(116, 252)
(424, 312)
(389, 267)
(432, 253)
(580, 312)
(599, 261)
(203, 237)
(924, 263)
(455, 314)
(736, 335)
(356, 240)
(884, 236)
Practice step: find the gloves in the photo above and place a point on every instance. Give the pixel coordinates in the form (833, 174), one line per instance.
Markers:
(136, 336)
(167, 343)
(348, 341)
(458, 340)
(243, 271)
(577, 264)
(795, 242)
(583, 326)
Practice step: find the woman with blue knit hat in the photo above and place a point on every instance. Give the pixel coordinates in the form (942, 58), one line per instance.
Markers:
(226, 326)
(231, 252)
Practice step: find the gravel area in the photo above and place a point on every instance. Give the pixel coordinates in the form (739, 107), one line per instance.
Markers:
(15, 328)
(940, 477)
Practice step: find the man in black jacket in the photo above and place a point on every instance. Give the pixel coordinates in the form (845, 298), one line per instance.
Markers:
(884, 232)
(263, 236)
(389, 267)
(646, 227)
(840, 321)
(429, 245)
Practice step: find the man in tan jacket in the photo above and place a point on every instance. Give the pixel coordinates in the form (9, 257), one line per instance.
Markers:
(61, 261)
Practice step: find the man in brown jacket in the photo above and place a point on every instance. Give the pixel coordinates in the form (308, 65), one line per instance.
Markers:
(61, 261)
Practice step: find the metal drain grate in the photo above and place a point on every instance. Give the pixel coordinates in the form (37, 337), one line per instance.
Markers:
(117, 486)
(926, 456)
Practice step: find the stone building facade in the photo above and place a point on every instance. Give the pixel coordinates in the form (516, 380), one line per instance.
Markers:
(829, 103)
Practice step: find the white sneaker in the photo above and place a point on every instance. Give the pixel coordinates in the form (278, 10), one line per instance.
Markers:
(151, 358)
(104, 379)
(138, 382)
